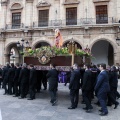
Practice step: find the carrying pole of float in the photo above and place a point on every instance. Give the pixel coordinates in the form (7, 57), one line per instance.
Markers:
(72, 48)
(73, 57)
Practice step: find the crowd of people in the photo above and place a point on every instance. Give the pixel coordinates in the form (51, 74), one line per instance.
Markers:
(93, 81)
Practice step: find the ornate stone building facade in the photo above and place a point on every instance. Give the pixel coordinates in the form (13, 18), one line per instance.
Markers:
(92, 23)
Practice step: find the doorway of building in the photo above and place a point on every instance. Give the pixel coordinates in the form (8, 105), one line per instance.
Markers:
(103, 52)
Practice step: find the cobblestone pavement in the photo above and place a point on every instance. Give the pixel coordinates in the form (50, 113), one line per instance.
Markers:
(40, 109)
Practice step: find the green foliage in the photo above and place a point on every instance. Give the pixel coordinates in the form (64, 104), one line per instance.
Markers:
(57, 51)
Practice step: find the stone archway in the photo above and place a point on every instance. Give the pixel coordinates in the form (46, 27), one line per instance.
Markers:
(103, 52)
(40, 44)
(7, 54)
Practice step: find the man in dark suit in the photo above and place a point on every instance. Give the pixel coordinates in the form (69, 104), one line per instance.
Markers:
(16, 82)
(11, 74)
(52, 77)
(87, 87)
(32, 82)
(102, 88)
(5, 77)
(24, 80)
(0, 76)
(74, 87)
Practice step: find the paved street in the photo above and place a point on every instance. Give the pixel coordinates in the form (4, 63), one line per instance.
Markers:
(41, 109)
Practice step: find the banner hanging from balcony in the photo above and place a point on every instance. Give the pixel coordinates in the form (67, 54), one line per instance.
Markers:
(58, 38)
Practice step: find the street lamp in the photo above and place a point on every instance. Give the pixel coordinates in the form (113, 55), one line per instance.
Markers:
(21, 47)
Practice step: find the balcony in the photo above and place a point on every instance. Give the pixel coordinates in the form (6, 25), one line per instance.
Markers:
(14, 26)
(67, 23)
(74, 22)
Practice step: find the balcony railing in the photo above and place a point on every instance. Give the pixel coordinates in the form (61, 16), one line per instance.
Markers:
(65, 23)
(14, 26)
(74, 22)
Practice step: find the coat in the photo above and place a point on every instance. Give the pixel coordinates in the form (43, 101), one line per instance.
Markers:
(11, 74)
(87, 80)
(52, 77)
(75, 80)
(33, 77)
(24, 75)
(102, 84)
(113, 80)
(17, 73)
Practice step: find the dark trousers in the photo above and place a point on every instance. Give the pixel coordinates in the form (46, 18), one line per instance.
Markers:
(53, 95)
(87, 99)
(23, 89)
(16, 88)
(10, 88)
(32, 91)
(117, 94)
(102, 97)
(111, 98)
(74, 97)
(0, 82)
(5, 86)
(44, 82)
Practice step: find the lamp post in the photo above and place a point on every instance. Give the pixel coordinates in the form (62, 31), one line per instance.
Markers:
(72, 48)
(21, 46)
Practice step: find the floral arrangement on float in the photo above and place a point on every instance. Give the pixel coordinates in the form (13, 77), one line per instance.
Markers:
(63, 51)
(44, 53)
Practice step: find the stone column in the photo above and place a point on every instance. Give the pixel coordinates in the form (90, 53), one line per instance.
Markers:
(3, 14)
(29, 13)
(1, 51)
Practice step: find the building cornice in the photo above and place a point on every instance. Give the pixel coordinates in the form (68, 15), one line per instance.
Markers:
(29, 1)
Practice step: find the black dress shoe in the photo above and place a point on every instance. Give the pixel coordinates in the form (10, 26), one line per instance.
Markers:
(82, 102)
(101, 110)
(116, 105)
(109, 104)
(85, 108)
(103, 114)
(29, 99)
(21, 98)
(53, 103)
(89, 110)
(118, 97)
(71, 107)
(15, 96)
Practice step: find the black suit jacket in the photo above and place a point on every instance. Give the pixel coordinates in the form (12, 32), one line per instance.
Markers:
(11, 74)
(52, 76)
(113, 80)
(5, 74)
(87, 80)
(17, 73)
(102, 84)
(75, 80)
(24, 75)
